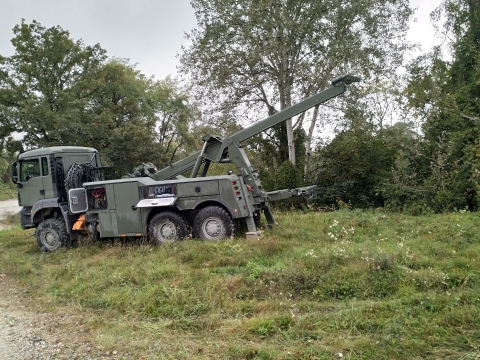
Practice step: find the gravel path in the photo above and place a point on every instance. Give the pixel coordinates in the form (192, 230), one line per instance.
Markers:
(8, 207)
(26, 334)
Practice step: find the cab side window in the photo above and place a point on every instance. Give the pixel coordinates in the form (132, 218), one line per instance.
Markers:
(29, 169)
(44, 166)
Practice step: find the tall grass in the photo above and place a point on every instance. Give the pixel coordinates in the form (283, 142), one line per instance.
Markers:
(356, 284)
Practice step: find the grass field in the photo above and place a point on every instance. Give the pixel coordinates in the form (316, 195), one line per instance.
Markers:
(346, 284)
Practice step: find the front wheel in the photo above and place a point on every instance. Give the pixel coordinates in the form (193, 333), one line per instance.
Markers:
(213, 223)
(52, 234)
(166, 227)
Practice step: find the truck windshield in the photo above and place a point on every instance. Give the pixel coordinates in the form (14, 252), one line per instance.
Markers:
(29, 169)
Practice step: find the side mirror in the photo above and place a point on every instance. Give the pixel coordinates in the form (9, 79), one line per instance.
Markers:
(15, 172)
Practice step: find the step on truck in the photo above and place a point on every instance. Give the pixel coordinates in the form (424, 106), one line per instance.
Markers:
(66, 191)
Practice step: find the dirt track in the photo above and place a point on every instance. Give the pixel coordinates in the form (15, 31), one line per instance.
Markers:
(29, 334)
(8, 207)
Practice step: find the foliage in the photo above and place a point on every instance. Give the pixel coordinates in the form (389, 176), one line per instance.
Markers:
(57, 91)
(277, 173)
(435, 171)
(7, 191)
(361, 283)
(150, 120)
(46, 83)
(259, 57)
(356, 167)
(6, 159)
(446, 94)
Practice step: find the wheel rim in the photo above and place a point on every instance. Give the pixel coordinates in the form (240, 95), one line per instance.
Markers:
(213, 228)
(166, 231)
(51, 239)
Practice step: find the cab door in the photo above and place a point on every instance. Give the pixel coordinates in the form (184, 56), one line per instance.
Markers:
(30, 182)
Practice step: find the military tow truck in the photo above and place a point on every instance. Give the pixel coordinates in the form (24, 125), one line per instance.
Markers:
(65, 191)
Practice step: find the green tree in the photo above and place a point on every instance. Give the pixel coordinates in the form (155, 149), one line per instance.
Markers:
(352, 168)
(153, 123)
(119, 120)
(259, 57)
(46, 84)
(446, 94)
(175, 120)
(57, 91)
(404, 188)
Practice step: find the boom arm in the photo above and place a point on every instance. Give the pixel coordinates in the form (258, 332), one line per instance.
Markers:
(338, 87)
(216, 149)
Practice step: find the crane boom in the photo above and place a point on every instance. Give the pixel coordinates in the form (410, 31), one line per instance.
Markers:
(215, 148)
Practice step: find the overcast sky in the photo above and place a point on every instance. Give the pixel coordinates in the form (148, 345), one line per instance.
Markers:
(147, 32)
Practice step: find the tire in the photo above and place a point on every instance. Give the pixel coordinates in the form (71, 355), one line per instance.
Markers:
(213, 223)
(52, 234)
(167, 226)
(77, 175)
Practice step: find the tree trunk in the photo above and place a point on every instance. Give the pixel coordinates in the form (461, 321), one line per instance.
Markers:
(285, 102)
(291, 142)
(309, 141)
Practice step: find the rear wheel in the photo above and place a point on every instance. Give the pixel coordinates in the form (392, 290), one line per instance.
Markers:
(167, 226)
(213, 223)
(52, 234)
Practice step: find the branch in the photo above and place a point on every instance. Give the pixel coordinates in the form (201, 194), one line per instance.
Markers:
(271, 109)
(472, 118)
(174, 152)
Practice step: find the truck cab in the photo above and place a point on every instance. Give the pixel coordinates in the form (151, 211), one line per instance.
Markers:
(40, 177)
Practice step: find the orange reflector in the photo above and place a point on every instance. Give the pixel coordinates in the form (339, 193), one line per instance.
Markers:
(80, 223)
(123, 235)
(138, 234)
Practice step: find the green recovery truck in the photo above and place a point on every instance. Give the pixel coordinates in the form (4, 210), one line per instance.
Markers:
(65, 191)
